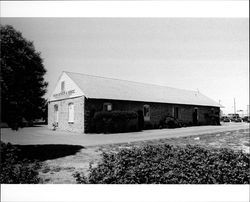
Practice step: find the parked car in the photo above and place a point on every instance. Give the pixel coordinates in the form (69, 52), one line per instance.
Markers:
(246, 119)
(236, 119)
(225, 119)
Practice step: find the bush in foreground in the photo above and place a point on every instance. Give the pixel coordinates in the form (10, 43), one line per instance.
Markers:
(14, 170)
(164, 164)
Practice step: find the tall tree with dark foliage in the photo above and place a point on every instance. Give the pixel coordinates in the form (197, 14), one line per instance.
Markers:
(22, 82)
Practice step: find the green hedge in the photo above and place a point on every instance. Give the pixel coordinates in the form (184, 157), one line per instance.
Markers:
(164, 164)
(14, 170)
(115, 121)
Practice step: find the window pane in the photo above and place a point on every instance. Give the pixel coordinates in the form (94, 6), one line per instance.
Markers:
(107, 107)
(146, 112)
(71, 113)
(56, 113)
(176, 113)
(62, 86)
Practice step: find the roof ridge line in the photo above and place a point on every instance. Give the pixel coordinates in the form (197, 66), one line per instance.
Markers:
(129, 81)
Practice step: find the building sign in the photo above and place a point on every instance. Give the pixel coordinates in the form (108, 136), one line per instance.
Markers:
(64, 94)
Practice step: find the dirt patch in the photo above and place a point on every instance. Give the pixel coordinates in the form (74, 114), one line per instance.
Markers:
(61, 170)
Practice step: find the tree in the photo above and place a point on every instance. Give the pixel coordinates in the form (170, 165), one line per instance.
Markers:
(22, 82)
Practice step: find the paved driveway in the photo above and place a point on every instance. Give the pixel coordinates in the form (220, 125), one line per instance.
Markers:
(42, 135)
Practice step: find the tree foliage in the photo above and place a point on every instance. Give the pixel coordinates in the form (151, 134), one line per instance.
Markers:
(22, 82)
(14, 170)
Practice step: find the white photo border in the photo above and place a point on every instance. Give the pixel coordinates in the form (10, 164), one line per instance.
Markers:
(125, 193)
(218, 9)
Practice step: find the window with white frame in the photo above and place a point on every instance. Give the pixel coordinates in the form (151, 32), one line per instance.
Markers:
(146, 112)
(71, 113)
(56, 114)
(107, 107)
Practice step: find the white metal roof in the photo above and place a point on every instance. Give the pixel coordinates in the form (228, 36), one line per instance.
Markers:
(108, 88)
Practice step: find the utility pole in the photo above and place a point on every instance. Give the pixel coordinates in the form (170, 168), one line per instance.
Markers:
(234, 106)
(248, 110)
(221, 113)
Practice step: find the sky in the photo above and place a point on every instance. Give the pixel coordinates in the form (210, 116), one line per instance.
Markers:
(210, 55)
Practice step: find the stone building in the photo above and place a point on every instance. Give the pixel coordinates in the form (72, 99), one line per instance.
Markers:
(77, 97)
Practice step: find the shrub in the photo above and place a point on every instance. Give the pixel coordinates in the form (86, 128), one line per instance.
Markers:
(169, 122)
(14, 170)
(115, 121)
(164, 164)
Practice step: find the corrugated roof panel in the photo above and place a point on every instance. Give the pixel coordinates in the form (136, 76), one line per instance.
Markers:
(107, 88)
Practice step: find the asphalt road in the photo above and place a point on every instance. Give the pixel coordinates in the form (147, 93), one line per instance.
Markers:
(42, 135)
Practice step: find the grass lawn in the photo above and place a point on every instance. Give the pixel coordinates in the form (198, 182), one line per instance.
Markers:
(60, 170)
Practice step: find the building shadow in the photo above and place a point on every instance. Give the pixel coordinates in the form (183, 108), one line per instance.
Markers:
(46, 152)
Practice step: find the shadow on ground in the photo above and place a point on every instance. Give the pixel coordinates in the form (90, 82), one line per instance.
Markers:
(46, 152)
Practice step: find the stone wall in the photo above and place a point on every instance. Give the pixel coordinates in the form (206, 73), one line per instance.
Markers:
(63, 110)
